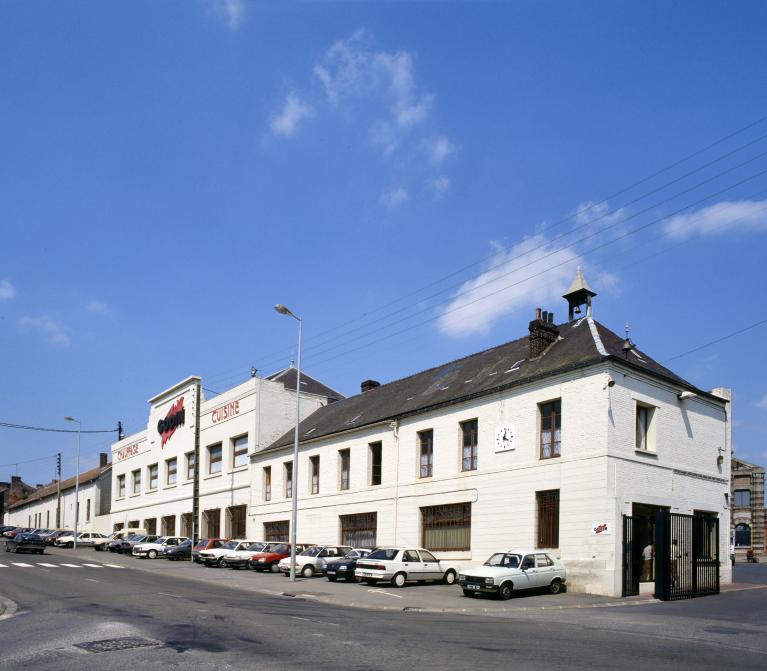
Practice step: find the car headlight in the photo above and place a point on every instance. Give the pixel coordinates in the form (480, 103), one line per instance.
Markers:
(489, 581)
(461, 576)
(342, 567)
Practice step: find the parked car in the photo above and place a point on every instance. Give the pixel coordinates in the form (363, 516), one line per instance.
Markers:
(51, 536)
(101, 544)
(312, 560)
(238, 559)
(25, 542)
(206, 544)
(16, 530)
(269, 558)
(151, 550)
(178, 552)
(507, 572)
(345, 566)
(213, 556)
(84, 538)
(402, 565)
(125, 545)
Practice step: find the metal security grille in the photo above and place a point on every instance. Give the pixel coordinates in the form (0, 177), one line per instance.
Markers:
(547, 504)
(687, 556)
(168, 524)
(212, 519)
(277, 532)
(445, 528)
(630, 564)
(359, 531)
(236, 516)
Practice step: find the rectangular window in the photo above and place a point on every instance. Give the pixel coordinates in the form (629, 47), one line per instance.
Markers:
(315, 462)
(87, 510)
(742, 498)
(343, 466)
(277, 532)
(240, 451)
(547, 505)
(446, 528)
(170, 471)
(190, 465)
(359, 531)
(469, 445)
(152, 476)
(121, 485)
(644, 419)
(376, 450)
(267, 483)
(288, 479)
(136, 482)
(426, 452)
(214, 458)
(551, 429)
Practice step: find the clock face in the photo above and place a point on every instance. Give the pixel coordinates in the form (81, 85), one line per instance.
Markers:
(504, 438)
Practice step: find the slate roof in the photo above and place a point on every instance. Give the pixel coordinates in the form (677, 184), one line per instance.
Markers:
(581, 343)
(308, 384)
(52, 489)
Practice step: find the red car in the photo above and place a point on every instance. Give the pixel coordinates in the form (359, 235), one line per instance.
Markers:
(268, 561)
(206, 544)
(18, 530)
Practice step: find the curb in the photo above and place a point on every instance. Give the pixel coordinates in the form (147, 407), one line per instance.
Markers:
(8, 608)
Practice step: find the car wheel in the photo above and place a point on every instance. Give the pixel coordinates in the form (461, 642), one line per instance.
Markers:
(468, 592)
(222, 563)
(449, 578)
(398, 580)
(556, 586)
(332, 578)
(275, 567)
(504, 593)
(152, 554)
(307, 571)
(371, 583)
(70, 545)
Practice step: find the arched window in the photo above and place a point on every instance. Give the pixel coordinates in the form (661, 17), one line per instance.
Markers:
(742, 536)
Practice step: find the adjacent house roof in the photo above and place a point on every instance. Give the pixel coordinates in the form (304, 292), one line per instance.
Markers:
(52, 488)
(581, 343)
(308, 384)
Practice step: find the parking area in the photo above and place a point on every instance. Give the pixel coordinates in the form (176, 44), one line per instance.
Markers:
(433, 597)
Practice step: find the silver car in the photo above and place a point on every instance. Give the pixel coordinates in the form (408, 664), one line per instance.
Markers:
(312, 560)
(507, 572)
(401, 565)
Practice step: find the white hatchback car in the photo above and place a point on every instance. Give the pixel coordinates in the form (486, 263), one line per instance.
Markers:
(214, 556)
(154, 549)
(507, 572)
(401, 565)
(312, 560)
(85, 538)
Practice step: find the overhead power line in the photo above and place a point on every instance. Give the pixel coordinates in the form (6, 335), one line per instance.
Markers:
(8, 425)
(718, 340)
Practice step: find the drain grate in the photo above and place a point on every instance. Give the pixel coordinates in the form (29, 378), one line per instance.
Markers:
(115, 644)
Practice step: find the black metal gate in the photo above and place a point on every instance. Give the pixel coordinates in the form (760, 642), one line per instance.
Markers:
(631, 556)
(686, 556)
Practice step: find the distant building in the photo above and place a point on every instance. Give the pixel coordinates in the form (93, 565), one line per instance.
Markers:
(40, 507)
(11, 492)
(747, 508)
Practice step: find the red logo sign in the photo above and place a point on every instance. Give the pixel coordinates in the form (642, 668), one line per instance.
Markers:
(175, 418)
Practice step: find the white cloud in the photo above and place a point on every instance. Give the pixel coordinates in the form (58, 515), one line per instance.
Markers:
(439, 149)
(469, 312)
(393, 198)
(231, 12)
(591, 216)
(97, 307)
(55, 332)
(293, 113)
(439, 186)
(762, 403)
(719, 218)
(7, 290)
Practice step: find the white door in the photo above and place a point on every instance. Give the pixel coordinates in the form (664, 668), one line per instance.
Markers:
(432, 569)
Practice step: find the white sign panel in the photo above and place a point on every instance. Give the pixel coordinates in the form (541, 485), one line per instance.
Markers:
(505, 438)
(601, 529)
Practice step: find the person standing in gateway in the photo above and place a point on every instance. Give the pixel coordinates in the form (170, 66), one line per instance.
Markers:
(647, 555)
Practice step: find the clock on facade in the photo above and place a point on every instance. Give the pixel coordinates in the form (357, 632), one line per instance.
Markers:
(504, 438)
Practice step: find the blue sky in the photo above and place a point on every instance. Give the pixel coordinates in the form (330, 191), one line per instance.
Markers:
(411, 178)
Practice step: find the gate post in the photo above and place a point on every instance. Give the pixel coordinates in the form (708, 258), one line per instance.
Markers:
(662, 555)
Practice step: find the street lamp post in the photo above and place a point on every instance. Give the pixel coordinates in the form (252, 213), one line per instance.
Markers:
(77, 478)
(294, 477)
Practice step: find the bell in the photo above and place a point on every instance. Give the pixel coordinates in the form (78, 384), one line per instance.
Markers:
(577, 310)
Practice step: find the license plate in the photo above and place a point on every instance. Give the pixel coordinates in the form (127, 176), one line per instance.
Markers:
(472, 586)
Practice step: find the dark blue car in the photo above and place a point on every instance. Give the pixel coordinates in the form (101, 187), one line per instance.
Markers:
(25, 543)
(178, 552)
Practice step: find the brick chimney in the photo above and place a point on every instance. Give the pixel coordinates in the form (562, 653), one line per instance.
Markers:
(103, 459)
(542, 332)
(367, 385)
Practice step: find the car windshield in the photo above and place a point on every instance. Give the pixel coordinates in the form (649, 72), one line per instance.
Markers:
(161, 539)
(277, 548)
(312, 552)
(504, 559)
(230, 545)
(256, 547)
(138, 539)
(203, 542)
(383, 553)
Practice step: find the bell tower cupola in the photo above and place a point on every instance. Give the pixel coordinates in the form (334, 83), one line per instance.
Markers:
(578, 295)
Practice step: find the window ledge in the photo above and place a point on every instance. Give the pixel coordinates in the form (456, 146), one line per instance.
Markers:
(238, 469)
(173, 486)
(212, 475)
(133, 496)
(646, 453)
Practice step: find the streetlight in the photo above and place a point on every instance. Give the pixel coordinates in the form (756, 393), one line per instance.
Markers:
(294, 484)
(77, 478)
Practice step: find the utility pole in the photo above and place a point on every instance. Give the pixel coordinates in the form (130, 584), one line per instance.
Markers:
(58, 490)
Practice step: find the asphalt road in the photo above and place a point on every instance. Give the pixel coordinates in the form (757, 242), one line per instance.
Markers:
(197, 624)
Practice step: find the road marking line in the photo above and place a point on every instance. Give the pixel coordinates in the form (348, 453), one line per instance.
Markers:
(71, 565)
(93, 580)
(48, 565)
(306, 619)
(113, 565)
(380, 591)
(3, 566)
(175, 596)
(94, 565)
(22, 564)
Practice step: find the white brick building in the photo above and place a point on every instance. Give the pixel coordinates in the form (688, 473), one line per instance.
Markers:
(153, 473)
(546, 441)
